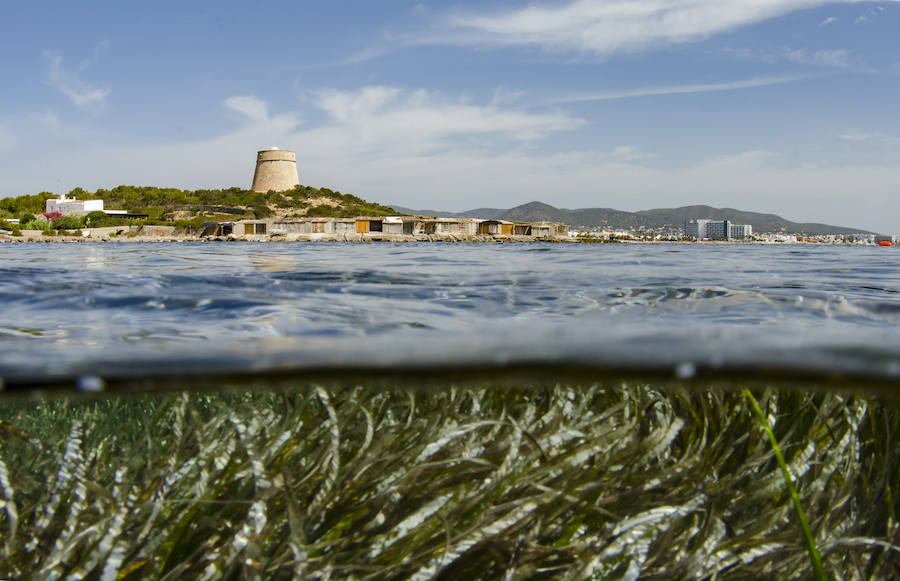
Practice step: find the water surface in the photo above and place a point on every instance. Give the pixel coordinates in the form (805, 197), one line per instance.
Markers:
(132, 309)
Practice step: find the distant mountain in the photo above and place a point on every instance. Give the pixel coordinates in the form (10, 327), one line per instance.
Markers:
(485, 213)
(660, 218)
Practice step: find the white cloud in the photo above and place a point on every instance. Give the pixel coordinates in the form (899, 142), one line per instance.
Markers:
(822, 58)
(832, 58)
(369, 124)
(503, 96)
(858, 136)
(679, 89)
(604, 28)
(829, 20)
(422, 150)
(253, 107)
(255, 113)
(628, 153)
(375, 118)
(869, 15)
(67, 82)
(366, 54)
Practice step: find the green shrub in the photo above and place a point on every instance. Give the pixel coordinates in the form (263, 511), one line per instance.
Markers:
(323, 211)
(261, 210)
(37, 223)
(67, 222)
(97, 219)
(157, 202)
(153, 212)
(20, 204)
(12, 228)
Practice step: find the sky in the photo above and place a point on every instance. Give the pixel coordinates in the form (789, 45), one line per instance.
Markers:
(779, 106)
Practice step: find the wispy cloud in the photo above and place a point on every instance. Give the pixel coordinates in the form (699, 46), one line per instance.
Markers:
(452, 153)
(832, 58)
(679, 89)
(357, 128)
(604, 28)
(855, 135)
(250, 106)
(367, 54)
(254, 111)
(838, 58)
(869, 15)
(829, 20)
(377, 117)
(67, 81)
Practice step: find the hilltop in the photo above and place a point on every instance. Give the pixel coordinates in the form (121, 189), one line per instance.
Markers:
(656, 219)
(193, 207)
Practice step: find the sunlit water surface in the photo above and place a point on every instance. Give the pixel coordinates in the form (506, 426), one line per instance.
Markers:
(139, 308)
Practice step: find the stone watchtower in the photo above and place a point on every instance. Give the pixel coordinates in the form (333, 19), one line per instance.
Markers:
(276, 169)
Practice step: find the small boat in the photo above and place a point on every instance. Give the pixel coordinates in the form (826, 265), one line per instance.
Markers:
(885, 243)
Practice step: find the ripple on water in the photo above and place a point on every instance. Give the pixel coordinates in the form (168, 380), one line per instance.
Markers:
(158, 297)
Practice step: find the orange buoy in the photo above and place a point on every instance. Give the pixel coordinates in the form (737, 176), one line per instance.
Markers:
(885, 243)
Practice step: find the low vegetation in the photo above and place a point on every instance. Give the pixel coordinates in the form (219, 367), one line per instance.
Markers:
(11, 228)
(187, 208)
(453, 483)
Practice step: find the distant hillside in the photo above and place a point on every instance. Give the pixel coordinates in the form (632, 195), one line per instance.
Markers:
(661, 218)
(485, 213)
(760, 222)
(172, 204)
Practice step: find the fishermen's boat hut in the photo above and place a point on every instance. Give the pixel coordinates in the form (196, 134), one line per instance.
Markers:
(255, 228)
(522, 229)
(399, 225)
(365, 224)
(549, 230)
(495, 227)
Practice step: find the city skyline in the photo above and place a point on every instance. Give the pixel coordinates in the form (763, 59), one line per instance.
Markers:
(782, 107)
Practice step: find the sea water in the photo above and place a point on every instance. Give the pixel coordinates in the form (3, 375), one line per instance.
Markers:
(125, 310)
(452, 411)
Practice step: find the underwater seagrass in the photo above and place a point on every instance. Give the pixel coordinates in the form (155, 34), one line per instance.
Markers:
(564, 482)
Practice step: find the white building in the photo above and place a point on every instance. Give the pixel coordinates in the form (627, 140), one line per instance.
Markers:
(716, 229)
(65, 205)
(740, 231)
(696, 229)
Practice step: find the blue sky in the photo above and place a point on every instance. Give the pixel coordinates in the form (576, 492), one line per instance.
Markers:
(782, 106)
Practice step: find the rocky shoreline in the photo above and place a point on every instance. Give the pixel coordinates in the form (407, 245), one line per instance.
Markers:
(173, 234)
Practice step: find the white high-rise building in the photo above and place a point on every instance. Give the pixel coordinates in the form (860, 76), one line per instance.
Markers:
(741, 231)
(716, 230)
(696, 229)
